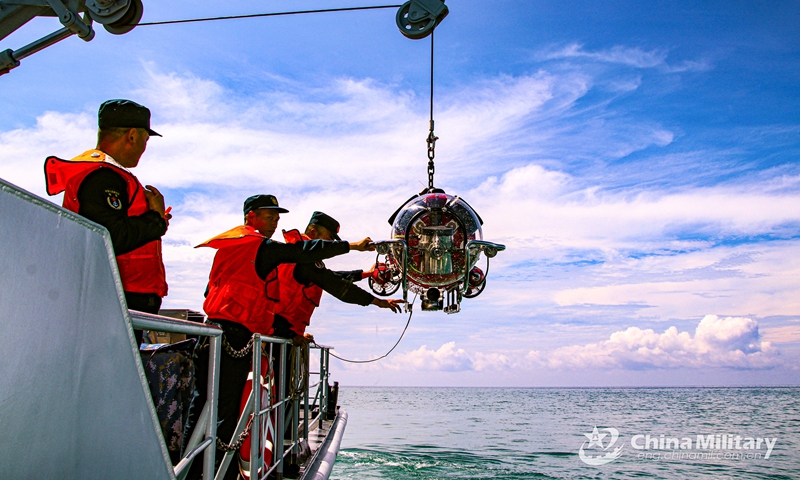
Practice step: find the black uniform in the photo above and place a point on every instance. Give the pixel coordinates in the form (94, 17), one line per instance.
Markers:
(103, 198)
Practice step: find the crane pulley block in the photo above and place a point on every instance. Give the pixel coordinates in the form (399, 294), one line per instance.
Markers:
(416, 19)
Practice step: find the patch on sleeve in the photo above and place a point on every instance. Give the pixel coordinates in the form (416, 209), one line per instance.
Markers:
(113, 200)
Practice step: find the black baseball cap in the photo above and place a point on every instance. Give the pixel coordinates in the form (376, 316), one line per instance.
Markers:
(257, 202)
(326, 221)
(124, 114)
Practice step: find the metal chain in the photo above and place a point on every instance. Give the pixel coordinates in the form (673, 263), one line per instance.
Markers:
(431, 154)
(236, 353)
(230, 447)
(225, 447)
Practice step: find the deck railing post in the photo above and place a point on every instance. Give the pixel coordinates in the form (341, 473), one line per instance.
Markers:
(305, 395)
(281, 411)
(295, 398)
(255, 425)
(323, 378)
(215, 344)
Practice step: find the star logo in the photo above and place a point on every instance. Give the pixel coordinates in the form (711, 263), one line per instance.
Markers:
(595, 438)
(595, 452)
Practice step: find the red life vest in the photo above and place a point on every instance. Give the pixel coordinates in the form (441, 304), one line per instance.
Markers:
(297, 301)
(235, 291)
(142, 269)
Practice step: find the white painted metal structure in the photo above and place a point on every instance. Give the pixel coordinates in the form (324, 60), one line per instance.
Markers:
(74, 401)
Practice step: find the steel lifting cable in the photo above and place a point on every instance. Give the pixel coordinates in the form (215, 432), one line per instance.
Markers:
(387, 353)
(431, 137)
(275, 14)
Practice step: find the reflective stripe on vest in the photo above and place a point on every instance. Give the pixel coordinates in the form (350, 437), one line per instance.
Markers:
(142, 269)
(297, 301)
(235, 291)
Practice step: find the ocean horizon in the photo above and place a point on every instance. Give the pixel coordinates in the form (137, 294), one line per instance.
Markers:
(569, 432)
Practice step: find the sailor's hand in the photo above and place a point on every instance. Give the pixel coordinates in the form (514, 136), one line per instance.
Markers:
(299, 340)
(392, 303)
(364, 245)
(155, 201)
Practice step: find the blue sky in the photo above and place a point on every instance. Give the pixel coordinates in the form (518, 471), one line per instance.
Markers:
(639, 160)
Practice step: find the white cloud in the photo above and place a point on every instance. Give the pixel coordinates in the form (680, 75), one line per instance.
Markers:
(24, 150)
(634, 57)
(628, 56)
(732, 342)
(447, 358)
(585, 216)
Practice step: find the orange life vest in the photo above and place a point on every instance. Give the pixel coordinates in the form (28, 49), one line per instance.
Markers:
(235, 291)
(142, 269)
(297, 301)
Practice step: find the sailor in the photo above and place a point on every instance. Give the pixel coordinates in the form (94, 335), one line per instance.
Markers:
(301, 285)
(99, 185)
(242, 289)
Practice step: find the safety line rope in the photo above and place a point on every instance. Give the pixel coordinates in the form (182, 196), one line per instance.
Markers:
(275, 14)
(384, 355)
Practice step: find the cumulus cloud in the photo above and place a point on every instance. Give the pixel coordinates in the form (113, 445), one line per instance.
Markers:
(447, 358)
(731, 342)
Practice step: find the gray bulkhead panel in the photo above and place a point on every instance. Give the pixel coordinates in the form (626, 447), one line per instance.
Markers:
(74, 402)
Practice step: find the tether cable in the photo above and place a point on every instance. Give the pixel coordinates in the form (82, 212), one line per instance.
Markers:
(384, 355)
(274, 14)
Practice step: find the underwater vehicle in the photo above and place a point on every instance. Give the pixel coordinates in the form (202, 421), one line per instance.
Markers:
(436, 243)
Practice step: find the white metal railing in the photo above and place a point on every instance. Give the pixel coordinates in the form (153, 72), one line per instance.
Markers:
(270, 419)
(262, 420)
(208, 432)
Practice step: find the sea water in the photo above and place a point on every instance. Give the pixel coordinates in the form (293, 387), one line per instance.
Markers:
(512, 433)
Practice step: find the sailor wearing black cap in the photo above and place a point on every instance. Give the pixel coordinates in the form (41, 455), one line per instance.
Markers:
(99, 186)
(242, 289)
(301, 285)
